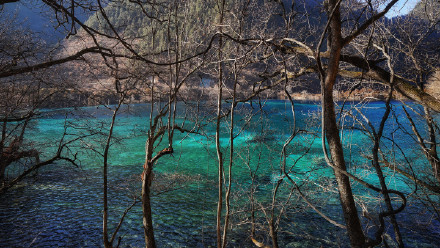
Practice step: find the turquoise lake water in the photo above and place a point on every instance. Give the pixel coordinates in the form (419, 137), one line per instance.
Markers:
(61, 206)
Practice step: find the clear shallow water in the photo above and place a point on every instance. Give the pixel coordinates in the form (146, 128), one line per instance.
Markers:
(62, 205)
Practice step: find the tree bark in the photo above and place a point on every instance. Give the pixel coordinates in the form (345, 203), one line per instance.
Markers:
(2, 172)
(147, 178)
(432, 151)
(379, 172)
(146, 209)
(217, 131)
(107, 242)
(354, 228)
(273, 233)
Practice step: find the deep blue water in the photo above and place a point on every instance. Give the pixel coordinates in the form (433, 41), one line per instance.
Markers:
(61, 206)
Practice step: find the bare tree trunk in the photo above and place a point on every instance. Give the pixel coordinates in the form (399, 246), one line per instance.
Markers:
(432, 151)
(2, 172)
(146, 207)
(217, 132)
(147, 177)
(220, 166)
(272, 228)
(105, 184)
(273, 233)
(231, 158)
(380, 175)
(107, 243)
(375, 152)
(354, 228)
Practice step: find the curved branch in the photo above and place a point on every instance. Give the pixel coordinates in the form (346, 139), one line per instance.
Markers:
(401, 85)
(48, 64)
(367, 23)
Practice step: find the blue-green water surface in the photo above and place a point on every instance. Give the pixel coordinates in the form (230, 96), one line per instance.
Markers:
(61, 205)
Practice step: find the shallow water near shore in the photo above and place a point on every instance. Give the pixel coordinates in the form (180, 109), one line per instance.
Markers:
(61, 206)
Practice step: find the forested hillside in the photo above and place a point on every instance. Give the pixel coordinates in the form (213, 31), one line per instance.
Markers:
(427, 10)
(147, 30)
(149, 27)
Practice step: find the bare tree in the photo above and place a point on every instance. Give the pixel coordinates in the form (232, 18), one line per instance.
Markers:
(26, 86)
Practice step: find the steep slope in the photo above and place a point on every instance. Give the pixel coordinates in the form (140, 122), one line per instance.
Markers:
(149, 30)
(427, 10)
(149, 24)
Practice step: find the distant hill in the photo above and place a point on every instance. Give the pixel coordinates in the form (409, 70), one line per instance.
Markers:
(198, 23)
(427, 10)
(150, 24)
